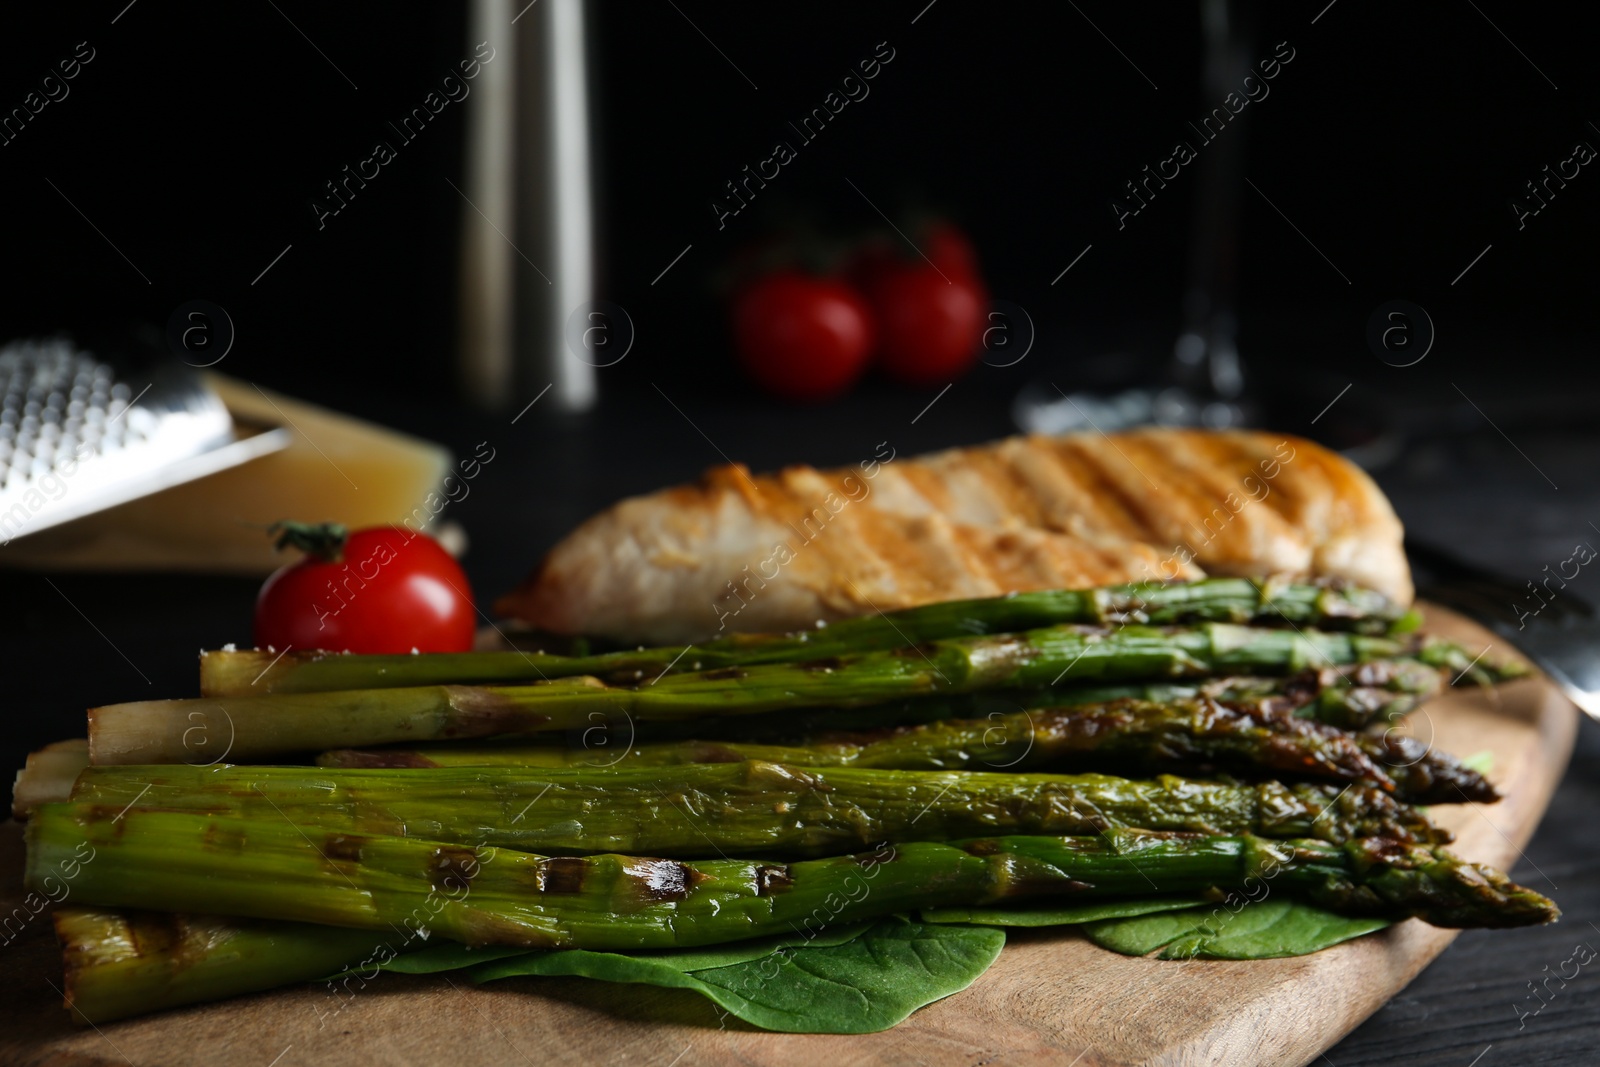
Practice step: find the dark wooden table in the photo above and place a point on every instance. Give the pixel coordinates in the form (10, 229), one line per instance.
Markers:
(1457, 482)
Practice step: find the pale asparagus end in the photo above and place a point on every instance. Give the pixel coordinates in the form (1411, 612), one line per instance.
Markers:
(48, 775)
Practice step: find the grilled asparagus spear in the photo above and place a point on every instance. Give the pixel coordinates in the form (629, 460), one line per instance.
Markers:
(747, 809)
(1126, 734)
(121, 963)
(270, 869)
(1350, 696)
(163, 731)
(1356, 695)
(1238, 600)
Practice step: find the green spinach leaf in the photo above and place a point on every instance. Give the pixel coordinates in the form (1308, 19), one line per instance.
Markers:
(1260, 930)
(867, 983)
(448, 956)
(1056, 914)
(453, 956)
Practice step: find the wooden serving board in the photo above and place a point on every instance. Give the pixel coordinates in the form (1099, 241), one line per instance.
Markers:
(1051, 998)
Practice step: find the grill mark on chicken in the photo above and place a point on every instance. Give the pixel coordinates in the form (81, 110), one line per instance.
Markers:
(1097, 507)
(1113, 507)
(882, 551)
(923, 478)
(1013, 502)
(1302, 502)
(951, 556)
(1059, 503)
(1221, 540)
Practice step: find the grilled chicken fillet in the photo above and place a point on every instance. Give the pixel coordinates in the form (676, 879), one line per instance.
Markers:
(753, 553)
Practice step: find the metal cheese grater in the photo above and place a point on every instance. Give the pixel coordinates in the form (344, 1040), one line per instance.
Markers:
(79, 433)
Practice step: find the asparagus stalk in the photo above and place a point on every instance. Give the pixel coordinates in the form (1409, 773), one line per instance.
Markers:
(1350, 696)
(161, 731)
(271, 869)
(118, 964)
(127, 963)
(48, 775)
(1422, 775)
(1126, 734)
(1356, 695)
(1237, 600)
(755, 808)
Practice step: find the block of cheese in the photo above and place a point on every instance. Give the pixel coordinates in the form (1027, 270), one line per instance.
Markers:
(334, 469)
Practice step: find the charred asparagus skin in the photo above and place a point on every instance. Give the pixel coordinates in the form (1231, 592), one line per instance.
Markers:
(122, 963)
(1237, 600)
(1354, 696)
(269, 869)
(1392, 689)
(1127, 734)
(1350, 696)
(259, 726)
(744, 809)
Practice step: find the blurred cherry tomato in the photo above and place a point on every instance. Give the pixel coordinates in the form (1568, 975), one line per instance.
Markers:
(949, 250)
(930, 316)
(382, 589)
(801, 337)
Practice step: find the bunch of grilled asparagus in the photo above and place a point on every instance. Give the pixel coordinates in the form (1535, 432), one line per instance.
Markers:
(963, 753)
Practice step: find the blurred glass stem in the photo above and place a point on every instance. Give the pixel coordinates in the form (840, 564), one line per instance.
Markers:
(1203, 383)
(1206, 356)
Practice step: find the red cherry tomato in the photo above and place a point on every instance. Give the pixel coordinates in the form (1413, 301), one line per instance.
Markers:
(869, 261)
(801, 337)
(940, 242)
(949, 250)
(930, 319)
(382, 589)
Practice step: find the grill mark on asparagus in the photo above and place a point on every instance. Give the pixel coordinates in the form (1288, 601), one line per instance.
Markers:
(481, 927)
(341, 848)
(1378, 850)
(481, 712)
(1304, 687)
(660, 881)
(103, 812)
(452, 862)
(215, 838)
(157, 933)
(562, 874)
(772, 879)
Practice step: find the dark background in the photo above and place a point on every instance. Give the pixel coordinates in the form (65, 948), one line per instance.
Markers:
(198, 135)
